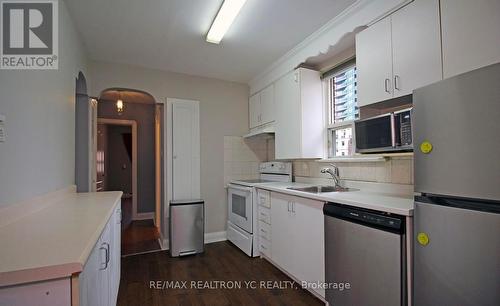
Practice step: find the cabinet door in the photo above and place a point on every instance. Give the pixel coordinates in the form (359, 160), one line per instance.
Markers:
(254, 109)
(374, 63)
(416, 46)
(281, 237)
(104, 266)
(89, 278)
(309, 236)
(115, 254)
(470, 34)
(267, 104)
(288, 116)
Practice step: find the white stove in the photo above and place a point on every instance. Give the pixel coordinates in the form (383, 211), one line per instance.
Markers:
(242, 205)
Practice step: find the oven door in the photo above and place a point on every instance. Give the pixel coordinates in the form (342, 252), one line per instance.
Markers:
(240, 211)
(375, 134)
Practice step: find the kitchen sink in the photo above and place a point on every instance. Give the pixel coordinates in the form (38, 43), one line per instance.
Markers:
(322, 189)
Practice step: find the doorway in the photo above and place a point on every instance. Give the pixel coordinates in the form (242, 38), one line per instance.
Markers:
(126, 160)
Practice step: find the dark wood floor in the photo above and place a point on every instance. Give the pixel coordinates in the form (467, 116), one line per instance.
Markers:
(140, 236)
(221, 262)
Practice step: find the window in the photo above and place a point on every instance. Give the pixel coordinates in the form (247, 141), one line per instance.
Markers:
(342, 108)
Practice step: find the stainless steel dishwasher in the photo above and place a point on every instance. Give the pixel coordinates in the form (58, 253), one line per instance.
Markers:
(365, 249)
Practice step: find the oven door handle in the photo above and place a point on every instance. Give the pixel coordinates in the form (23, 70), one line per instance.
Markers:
(241, 188)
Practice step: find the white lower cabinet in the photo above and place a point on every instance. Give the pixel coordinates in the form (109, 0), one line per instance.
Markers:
(100, 278)
(297, 236)
(46, 293)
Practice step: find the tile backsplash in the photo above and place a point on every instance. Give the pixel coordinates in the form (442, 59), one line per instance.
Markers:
(242, 157)
(396, 170)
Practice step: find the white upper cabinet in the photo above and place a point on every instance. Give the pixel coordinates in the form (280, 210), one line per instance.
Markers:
(254, 110)
(416, 46)
(299, 122)
(399, 53)
(374, 63)
(267, 104)
(261, 107)
(470, 34)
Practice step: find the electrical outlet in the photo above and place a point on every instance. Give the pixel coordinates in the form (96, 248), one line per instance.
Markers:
(2, 128)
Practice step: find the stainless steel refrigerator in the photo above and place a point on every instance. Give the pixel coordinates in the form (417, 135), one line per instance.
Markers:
(457, 182)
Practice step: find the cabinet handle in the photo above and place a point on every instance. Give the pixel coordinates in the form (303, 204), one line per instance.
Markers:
(107, 254)
(106, 251)
(288, 206)
(263, 247)
(293, 207)
(387, 83)
(265, 232)
(396, 82)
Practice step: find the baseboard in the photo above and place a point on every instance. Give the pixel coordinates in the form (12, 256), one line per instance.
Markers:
(144, 216)
(209, 238)
(215, 237)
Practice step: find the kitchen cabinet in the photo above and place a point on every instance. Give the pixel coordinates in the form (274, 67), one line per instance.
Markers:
(399, 53)
(100, 278)
(470, 34)
(261, 107)
(299, 124)
(374, 63)
(297, 236)
(46, 293)
(254, 110)
(264, 230)
(267, 104)
(115, 261)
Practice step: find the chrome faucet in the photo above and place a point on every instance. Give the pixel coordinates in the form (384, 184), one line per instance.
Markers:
(334, 172)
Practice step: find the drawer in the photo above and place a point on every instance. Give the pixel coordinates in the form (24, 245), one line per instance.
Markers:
(264, 198)
(265, 215)
(46, 293)
(265, 247)
(265, 230)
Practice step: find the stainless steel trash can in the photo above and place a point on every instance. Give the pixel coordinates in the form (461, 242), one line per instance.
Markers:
(187, 227)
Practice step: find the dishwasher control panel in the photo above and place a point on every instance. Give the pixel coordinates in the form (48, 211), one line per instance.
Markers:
(365, 216)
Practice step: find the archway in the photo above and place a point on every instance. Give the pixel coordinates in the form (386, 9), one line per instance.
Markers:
(141, 181)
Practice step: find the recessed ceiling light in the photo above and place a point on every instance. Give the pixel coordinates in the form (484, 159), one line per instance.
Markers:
(225, 17)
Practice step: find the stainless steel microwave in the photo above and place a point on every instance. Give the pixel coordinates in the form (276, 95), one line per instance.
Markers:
(385, 133)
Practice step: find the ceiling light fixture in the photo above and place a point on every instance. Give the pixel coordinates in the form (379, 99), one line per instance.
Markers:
(119, 104)
(225, 17)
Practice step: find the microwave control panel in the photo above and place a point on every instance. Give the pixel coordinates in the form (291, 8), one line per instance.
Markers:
(405, 125)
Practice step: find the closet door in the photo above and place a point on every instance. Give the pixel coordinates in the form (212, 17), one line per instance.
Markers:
(185, 149)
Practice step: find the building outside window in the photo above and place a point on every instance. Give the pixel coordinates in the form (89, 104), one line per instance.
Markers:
(342, 108)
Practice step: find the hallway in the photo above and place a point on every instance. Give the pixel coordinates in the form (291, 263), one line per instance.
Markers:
(138, 236)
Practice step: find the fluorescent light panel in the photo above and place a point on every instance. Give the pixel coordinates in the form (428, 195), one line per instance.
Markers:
(225, 17)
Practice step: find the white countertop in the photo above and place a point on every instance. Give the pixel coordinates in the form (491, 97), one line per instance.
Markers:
(396, 204)
(56, 241)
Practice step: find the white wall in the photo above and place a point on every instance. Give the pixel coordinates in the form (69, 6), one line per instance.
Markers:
(223, 111)
(39, 154)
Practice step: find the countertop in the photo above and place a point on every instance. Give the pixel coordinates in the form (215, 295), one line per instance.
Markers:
(56, 241)
(396, 204)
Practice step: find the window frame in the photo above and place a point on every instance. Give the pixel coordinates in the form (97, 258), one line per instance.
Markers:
(332, 126)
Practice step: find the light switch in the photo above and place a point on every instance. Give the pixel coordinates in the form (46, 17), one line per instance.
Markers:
(2, 128)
